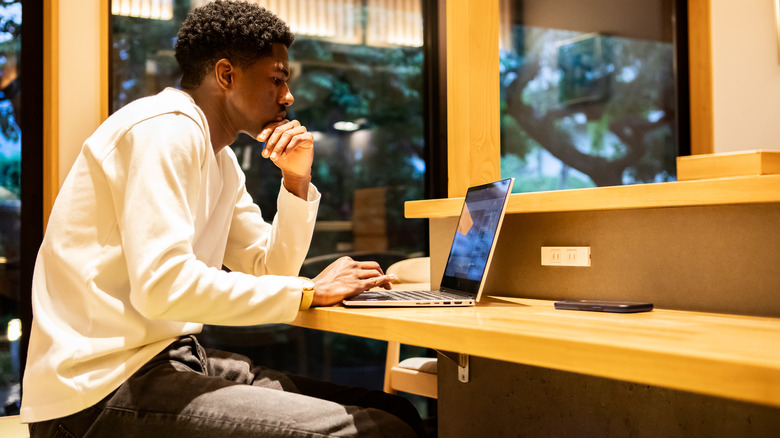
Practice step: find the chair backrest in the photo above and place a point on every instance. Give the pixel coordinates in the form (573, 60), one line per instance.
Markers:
(413, 270)
(420, 375)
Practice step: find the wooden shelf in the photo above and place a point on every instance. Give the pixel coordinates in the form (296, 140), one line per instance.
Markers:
(735, 190)
(728, 356)
(744, 163)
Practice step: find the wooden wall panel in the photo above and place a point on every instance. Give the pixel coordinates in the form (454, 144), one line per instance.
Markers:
(473, 94)
(700, 60)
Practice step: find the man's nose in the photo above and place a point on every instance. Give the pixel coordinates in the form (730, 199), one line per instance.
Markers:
(287, 98)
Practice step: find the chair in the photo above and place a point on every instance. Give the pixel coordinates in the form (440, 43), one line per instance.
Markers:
(413, 270)
(415, 375)
(11, 427)
(325, 340)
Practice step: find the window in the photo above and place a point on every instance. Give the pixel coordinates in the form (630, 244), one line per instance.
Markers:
(357, 79)
(589, 93)
(10, 203)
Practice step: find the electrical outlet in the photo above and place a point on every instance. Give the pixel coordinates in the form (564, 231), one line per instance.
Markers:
(565, 256)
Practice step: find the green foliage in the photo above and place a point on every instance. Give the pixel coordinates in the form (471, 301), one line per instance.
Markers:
(10, 176)
(10, 23)
(8, 127)
(514, 140)
(140, 44)
(527, 180)
(11, 137)
(624, 118)
(379, 88)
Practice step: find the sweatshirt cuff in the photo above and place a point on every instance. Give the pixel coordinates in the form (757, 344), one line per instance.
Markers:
(312, 196)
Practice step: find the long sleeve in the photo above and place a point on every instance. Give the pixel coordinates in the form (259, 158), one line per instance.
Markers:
(132, 254)
(258, 248)
(174, 206)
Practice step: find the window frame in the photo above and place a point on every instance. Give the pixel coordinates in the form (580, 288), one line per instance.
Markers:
(465, 34)
(474, 149)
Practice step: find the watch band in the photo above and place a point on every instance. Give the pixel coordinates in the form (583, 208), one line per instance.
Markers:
(307, 294)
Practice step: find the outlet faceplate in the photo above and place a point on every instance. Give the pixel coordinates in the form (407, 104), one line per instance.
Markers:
(565, 256)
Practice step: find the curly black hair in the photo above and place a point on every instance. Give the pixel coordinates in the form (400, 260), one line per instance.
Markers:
(236, 30)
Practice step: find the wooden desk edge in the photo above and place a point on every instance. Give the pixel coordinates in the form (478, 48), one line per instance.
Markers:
(676, 368)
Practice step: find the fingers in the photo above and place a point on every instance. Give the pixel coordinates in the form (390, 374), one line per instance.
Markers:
(287, 141)
(370, 267)
(385, 282)
(268, 129)
(371, 275)
(347, 262)
(374, 279)
(346, 277)
(284, 136)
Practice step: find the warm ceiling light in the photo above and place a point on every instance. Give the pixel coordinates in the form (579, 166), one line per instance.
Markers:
(346, 126)
(154, 9)
(371, 22)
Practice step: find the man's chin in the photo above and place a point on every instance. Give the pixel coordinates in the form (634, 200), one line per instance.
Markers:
(251, 133)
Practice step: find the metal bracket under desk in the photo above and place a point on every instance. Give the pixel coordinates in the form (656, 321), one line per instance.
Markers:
(462, 362)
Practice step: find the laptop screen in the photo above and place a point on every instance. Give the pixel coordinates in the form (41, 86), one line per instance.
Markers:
(475, 236)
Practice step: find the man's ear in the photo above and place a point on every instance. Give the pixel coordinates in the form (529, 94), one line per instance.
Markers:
(225, 73)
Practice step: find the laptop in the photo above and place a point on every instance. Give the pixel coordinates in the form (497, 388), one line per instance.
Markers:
(469, 259)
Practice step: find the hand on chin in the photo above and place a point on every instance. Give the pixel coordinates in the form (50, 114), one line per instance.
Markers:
(289, 145)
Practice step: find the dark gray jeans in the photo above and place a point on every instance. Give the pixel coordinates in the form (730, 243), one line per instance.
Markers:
(189, 391)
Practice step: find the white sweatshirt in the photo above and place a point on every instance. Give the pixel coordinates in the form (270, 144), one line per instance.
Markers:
(132, 254)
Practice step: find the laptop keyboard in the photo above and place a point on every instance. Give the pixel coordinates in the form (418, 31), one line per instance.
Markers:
(408, 295)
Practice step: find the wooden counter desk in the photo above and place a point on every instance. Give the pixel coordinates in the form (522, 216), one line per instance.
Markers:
(730, 356)
(699, 246)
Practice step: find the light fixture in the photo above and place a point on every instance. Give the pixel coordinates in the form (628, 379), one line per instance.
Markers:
(154, 9)
(14, 331)
(346, 126)
(371, 22)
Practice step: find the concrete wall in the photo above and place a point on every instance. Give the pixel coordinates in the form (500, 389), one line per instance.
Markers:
(714, 258)
(524, 401)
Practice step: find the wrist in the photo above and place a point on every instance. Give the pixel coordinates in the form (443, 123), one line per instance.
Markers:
(298, 185)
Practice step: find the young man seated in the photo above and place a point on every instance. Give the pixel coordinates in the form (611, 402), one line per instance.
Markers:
(130, 265)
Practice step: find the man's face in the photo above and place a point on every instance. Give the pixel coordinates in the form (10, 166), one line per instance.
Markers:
(261, 94)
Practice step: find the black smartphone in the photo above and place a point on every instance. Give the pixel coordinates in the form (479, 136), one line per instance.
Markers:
(604, 306)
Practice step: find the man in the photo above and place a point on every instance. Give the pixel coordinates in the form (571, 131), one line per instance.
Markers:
(129, 268)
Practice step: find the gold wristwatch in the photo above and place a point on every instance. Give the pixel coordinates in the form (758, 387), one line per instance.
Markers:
(307, 293)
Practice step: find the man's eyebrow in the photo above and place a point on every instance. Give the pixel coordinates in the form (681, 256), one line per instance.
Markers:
(283, 71)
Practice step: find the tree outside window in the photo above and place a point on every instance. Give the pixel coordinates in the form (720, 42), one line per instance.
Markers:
(584, 109)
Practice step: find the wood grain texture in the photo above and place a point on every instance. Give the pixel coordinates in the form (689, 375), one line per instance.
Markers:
(716, 354)
(700, 80)
(473, 95)
(51, 104)
(736, 190)
(723, 165)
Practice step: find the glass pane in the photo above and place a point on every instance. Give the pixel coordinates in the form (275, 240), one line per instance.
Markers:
(10, 190)
(587, 98)
(142, 61)
(357, 82)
